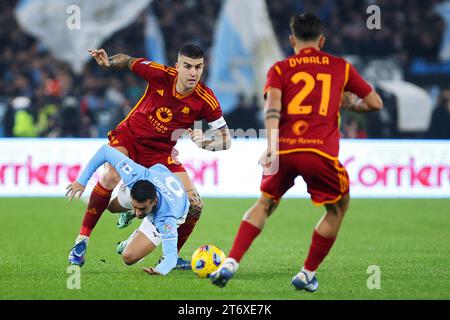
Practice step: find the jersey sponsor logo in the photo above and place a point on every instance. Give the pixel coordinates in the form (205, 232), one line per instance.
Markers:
(164, 114)
(160, 92)
(159, 127)
(300, 127)
(300, 140)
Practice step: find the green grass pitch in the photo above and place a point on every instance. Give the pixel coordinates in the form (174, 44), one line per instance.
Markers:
(409, 240)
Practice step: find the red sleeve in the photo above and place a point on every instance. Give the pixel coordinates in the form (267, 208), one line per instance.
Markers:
(148, 70)
(274, 79)
(212, 112)
(356, 84)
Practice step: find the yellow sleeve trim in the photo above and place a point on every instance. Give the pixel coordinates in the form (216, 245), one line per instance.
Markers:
(207, 97)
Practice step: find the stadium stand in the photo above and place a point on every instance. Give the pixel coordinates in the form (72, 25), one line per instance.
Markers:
(63, 104)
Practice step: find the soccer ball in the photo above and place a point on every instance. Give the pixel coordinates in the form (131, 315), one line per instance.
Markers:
(206, 260)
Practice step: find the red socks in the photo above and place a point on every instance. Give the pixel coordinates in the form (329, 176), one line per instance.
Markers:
(98, 202)
(185, 230)
(244, 238)
(320, 246)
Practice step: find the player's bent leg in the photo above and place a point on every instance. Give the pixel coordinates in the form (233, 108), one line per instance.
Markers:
(140, 243)
(137, 248)
(251, 226)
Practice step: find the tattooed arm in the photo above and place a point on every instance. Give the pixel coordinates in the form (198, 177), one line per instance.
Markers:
(117, 61)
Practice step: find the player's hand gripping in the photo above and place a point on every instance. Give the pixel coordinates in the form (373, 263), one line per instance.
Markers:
(100, 57)
(197, 136)
(73, 189)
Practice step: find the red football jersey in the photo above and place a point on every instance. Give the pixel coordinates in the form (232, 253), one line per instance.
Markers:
(161, 110)
(312, 83)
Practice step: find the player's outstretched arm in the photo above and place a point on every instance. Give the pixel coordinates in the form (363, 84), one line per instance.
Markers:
(128, 170)
(117, 61)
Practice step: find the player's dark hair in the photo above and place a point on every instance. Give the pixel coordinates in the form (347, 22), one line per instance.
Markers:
(191, 51)
(307, 27)
(143, 190)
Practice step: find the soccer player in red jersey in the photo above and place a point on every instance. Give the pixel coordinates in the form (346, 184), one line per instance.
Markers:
(304, 93)
(174, 99)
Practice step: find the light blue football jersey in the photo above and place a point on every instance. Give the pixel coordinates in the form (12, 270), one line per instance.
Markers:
(172, 205)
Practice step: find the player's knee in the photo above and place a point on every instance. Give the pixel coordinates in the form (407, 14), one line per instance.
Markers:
(336, 210)
(269, 205)
(129, 258)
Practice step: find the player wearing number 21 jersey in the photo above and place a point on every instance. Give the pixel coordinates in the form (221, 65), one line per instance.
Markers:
(303, 96)
(163, 210)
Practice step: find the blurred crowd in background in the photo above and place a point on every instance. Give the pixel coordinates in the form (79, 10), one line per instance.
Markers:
(42, 97)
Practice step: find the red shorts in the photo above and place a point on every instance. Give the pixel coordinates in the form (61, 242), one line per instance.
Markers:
(327, 180)
(143, 155)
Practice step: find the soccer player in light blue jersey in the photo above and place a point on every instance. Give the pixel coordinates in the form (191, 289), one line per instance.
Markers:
(157, 196)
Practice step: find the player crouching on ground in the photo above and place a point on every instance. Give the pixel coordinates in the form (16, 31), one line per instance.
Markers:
(157, 196)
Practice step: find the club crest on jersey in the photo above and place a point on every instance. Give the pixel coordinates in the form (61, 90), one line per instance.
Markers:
(164, 114)
(185, 110)
(300, 127)
(126, 168)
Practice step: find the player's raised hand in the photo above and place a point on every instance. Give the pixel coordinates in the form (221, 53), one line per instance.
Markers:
(197, 136)
(100, 57)
(151, 271)
(73, 189)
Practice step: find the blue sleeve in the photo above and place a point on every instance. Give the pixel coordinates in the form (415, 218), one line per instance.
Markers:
(167, 228)
(128, 170)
